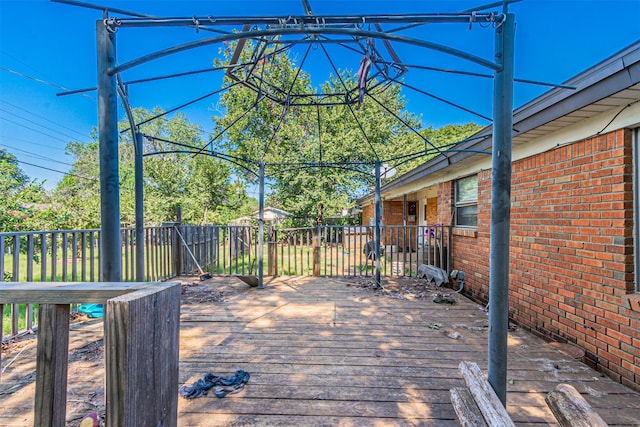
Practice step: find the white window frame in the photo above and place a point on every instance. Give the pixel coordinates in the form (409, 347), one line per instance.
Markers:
(466, 203)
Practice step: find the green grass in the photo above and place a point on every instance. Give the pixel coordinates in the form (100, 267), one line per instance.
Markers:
(36, 265)
(22, 317)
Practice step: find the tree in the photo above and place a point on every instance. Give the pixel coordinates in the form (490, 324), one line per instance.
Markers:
(77, 195)
(439, 140)
(172, 176)
(319, 157)
(24, 204)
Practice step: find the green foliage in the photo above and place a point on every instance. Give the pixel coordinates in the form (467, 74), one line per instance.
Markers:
(438, 140)
(297, 142)
(77, 196)
(24, 203)
(199, 184)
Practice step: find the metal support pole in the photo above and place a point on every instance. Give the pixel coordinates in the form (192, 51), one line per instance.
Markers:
(378, 224)
(110, 239)
(501, 209)
(261, 230)
(139, 200)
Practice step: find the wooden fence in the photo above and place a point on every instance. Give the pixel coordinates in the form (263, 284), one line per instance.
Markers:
(73, 255)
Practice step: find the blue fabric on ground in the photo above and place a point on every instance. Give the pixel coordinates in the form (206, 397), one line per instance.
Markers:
(92, 310)
(222, 385)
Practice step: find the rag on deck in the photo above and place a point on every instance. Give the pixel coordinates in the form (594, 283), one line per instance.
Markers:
(222, 385)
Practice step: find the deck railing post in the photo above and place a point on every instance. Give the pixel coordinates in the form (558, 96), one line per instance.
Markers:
(317, 233)
(50, 408)
(139, 203)
(378, 225)
(141, 326)
(272, 253)
(261, 229)
(1, 326)
(141, 358)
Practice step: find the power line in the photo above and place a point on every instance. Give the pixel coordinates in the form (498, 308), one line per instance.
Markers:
(44, 118)
(32, 129)
(37, 80)
(38, 124)
(35, 143)
(34, 155)
(54, 170)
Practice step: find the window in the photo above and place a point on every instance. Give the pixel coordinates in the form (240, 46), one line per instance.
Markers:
(467, 202)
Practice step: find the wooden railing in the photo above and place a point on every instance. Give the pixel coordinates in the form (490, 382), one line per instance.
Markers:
(74, 256)
(141, 330)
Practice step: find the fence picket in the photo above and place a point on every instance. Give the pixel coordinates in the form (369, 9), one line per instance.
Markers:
(327, 250)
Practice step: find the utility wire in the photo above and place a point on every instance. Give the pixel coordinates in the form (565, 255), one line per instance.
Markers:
(35, 143)
(38, 124)
(55, 170)
(35, 130)
(44, 82)
(34, 155)
(44, 118)
(616, 115)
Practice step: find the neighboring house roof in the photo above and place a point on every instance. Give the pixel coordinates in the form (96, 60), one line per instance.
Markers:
(612, 83)
(270, 215)
(270, 212)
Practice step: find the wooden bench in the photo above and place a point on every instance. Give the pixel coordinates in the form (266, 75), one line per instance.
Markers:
(570, 408)
(478, 405)
(141, 330)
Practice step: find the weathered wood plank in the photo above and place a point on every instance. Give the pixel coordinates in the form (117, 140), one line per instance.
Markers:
(326, 367)
(62, 292)
(414, 410)
(492, 410)
(141, 354)
(67, 292)
(188, 419)
(570, 408)
(466, 408)
(1, 331)
(52, 364)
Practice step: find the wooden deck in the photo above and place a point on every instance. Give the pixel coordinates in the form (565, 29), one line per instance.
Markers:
(328, 352)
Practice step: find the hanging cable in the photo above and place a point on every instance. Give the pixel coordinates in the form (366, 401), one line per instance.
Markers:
(179, 107)
(616, 115)
(404, 122)
(287, 100)
(348, 104)
(236, 120)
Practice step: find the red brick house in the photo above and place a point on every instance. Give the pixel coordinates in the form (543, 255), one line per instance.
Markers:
(575, 239)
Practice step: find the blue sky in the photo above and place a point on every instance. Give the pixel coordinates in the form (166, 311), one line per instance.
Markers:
(46, 47)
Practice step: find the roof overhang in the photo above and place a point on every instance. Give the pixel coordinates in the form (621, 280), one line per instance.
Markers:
(614, 82)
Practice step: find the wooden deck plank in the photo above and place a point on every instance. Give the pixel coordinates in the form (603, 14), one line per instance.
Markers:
(323, 353)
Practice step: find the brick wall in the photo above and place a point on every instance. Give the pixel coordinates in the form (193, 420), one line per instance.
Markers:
(571, 249)
(431, 211)
(368, 212)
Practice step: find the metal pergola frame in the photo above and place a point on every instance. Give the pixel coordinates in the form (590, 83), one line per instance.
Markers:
(261, 28)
